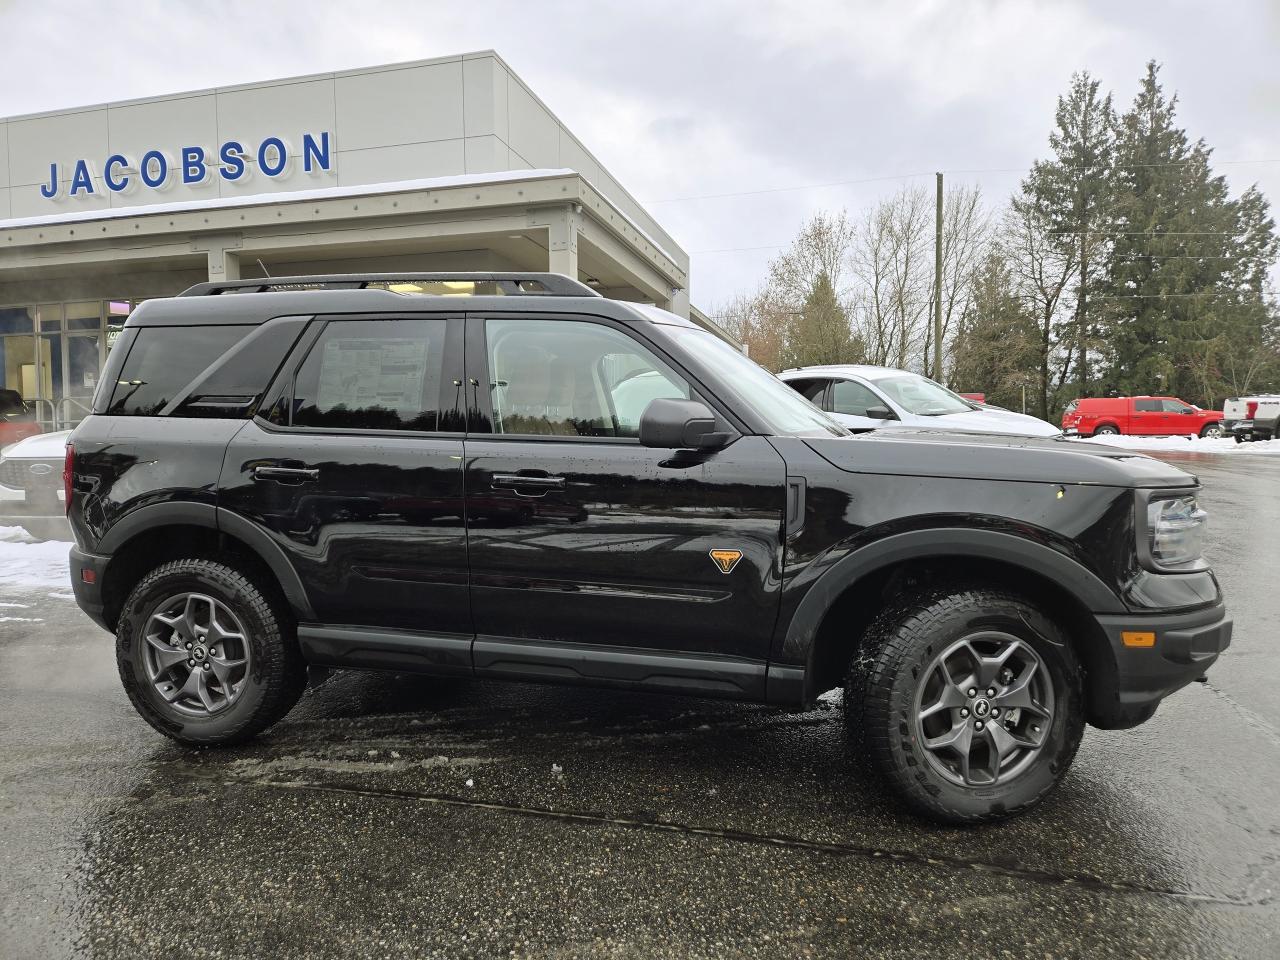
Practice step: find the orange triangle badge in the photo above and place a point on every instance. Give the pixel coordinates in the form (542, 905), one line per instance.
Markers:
(726, 560)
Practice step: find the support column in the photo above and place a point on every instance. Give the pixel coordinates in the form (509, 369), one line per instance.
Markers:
(562, 242)
(224, 259)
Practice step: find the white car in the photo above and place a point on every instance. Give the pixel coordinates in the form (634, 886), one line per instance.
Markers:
(31, 492)
(863, 397)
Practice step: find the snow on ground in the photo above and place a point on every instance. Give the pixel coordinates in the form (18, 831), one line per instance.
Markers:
(26, 563)
(1189, 444)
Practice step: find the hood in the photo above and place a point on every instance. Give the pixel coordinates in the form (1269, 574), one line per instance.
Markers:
(937, 453)
(43, 446)
(988, 420)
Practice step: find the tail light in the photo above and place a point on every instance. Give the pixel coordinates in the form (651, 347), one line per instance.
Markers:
(68, 465)
(1250, 408)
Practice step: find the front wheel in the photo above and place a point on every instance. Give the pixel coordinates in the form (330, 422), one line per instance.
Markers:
(968, 702)
(205, 655)
(1211, 431)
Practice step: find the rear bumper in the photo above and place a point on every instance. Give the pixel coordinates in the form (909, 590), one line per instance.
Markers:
(89, 595)
(1186, 645)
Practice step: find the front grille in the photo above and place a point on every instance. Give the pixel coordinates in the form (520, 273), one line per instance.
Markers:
(17, 474)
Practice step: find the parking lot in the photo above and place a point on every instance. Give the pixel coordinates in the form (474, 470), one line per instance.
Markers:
(396, 816)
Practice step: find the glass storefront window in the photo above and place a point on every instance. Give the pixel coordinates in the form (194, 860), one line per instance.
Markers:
(84, 316)
(49, 316)
(17, 319)
(52, 353)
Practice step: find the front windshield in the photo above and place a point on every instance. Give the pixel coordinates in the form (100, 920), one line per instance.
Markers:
(922, 396)
(782, 409)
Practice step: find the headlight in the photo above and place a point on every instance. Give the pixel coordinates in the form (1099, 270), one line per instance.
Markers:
(1175, 532)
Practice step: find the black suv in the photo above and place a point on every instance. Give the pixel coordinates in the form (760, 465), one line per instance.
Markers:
(531, 482)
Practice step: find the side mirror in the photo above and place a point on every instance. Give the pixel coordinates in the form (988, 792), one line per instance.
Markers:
(880, 413)
(680, 425)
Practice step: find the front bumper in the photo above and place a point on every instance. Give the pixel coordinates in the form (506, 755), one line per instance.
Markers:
(89, 595)
(1185, 646)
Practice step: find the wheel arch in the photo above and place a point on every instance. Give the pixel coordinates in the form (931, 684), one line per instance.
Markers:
(153, 535)
(827, 628)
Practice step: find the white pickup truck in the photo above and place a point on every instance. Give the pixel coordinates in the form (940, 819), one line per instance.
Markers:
(1251, 418)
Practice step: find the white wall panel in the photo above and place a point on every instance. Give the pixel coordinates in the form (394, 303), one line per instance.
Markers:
(487, 155)
(535, 134)
(63, 138)
(408, 162)
(482, 78)
(287, 110)
(395, 107)
(4, 155)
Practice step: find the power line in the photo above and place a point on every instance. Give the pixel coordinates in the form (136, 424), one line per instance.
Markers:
(911, 176)
(807, 186)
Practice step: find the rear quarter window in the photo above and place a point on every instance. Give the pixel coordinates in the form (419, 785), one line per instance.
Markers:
(201, 371)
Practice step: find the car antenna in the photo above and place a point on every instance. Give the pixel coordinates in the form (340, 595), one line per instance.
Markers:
(264, 268)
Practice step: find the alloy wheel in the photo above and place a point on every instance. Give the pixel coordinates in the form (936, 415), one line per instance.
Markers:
(983, 709)
(196, 654)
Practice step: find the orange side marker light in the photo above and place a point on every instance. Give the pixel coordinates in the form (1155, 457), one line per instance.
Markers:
(1138, 638)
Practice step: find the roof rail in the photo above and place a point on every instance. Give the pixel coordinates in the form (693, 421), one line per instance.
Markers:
(508, 284)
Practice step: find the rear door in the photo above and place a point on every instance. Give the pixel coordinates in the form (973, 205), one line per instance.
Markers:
(1148, 417)
(354, 468)
(580, 536)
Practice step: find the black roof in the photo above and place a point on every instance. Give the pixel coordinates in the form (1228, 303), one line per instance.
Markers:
(251, 302)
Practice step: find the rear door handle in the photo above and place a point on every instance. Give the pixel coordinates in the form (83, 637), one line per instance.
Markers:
(526, 485)
(287, 474)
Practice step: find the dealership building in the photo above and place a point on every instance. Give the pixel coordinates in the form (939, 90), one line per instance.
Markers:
(444, 164)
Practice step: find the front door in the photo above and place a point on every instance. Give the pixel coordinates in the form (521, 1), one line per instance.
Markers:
(356, 472)
(581, 536)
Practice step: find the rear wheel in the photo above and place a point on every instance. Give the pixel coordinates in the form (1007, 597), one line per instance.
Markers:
(1106, 430)
(1211, 431)
(968, 702)
(205, 656)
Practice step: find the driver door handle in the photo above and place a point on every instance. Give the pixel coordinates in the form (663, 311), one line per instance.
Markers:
(521, 483)
(287, 474)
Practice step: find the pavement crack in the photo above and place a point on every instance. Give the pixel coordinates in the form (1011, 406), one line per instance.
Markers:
(1254, 719)
(1027, 874)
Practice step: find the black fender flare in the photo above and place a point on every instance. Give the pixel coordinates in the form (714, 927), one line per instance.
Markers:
(802, 630)
(196, 514)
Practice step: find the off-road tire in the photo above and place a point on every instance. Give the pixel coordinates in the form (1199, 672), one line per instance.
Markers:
(880, 693)
(276, 671)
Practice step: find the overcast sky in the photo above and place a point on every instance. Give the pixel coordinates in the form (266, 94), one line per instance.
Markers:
(687, 98)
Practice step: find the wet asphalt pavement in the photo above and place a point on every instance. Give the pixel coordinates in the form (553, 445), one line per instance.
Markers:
(394, 816)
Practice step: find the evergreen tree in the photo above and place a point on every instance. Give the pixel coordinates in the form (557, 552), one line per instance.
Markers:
(1070, 193)
(1188, 263)
(996, 349)
(820, 332)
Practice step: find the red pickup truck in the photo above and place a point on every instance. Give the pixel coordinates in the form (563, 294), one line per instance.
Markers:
(1141, 416)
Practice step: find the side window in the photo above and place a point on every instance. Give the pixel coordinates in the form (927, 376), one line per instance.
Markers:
(811, 390)
(852, 398)
(1176, 406)
(570, 378)
(1147, 406)
(373, 375)
(233, 386)
(163, 361)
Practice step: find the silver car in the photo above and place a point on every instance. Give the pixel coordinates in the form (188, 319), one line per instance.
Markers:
(863, 397)
(31, 491)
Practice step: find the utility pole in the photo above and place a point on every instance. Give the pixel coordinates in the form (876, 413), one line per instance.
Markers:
(937, 289)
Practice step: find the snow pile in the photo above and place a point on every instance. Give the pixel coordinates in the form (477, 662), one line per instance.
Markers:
(1188, 444)
(26, 563)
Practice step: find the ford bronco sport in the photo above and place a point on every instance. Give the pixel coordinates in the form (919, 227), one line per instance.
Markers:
(535, 483)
